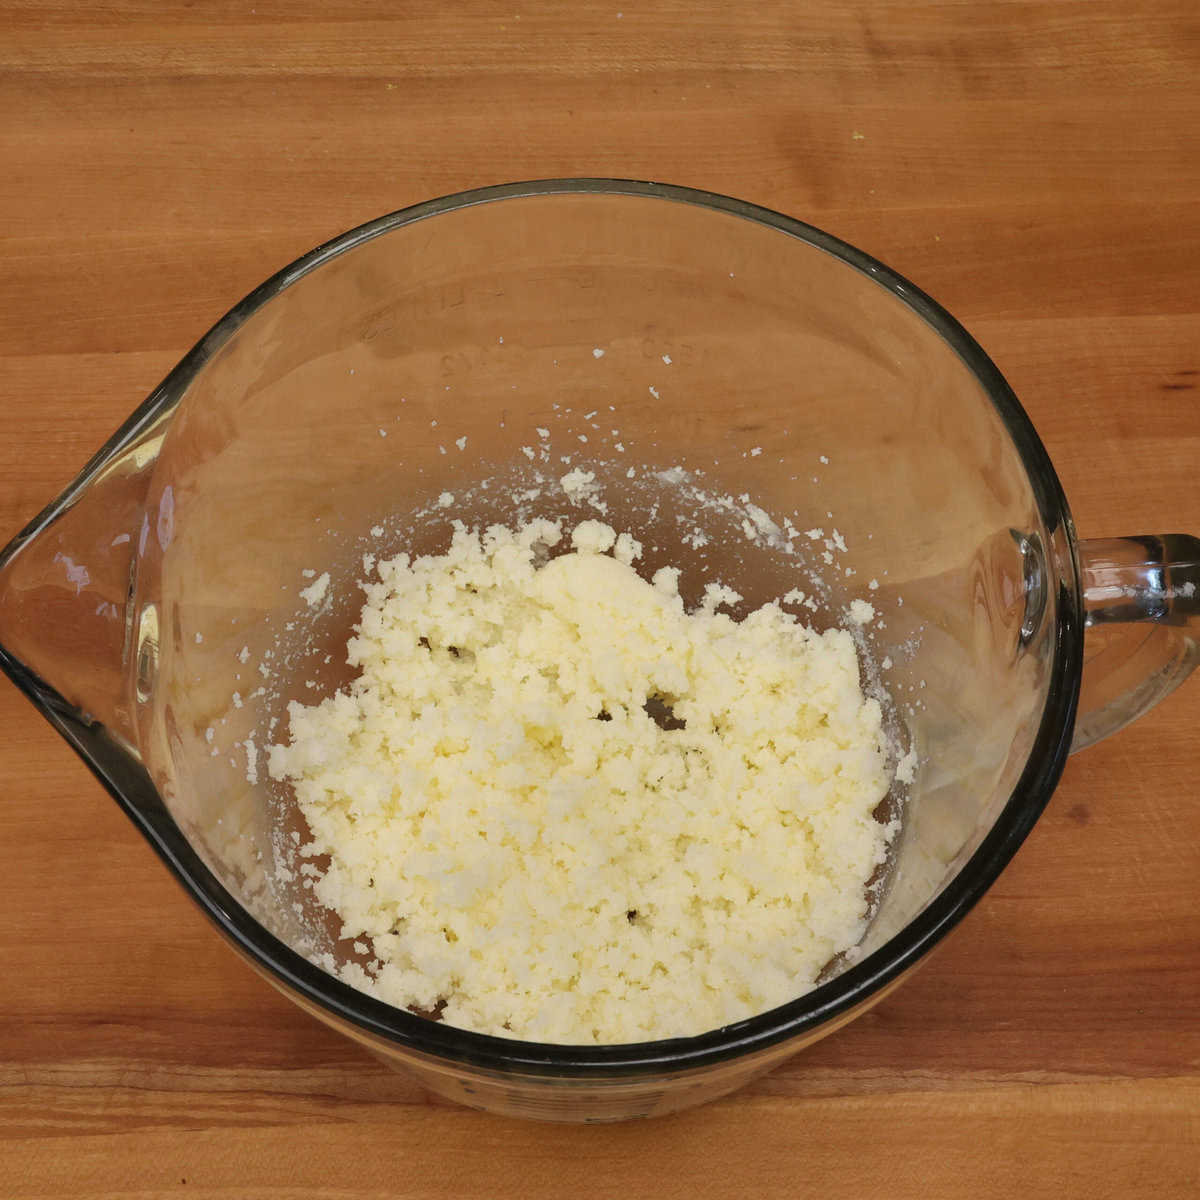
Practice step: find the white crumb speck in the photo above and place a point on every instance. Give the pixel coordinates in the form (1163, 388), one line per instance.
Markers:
(861, 612)
(578, 483)
(542, 433)
(761, 520)
(446, 499)
(654, 392)
(666, 579)
(597, 353)
(667, 359)
(461, 443)
(199, 638)
(756, 452)
(315, 592)
(627, 548)
(717, 595)
(592, 537)
(251, 760)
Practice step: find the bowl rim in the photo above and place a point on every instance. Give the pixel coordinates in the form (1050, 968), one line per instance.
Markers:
(121, 772)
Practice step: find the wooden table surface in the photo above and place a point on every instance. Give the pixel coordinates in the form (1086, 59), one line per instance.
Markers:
(1035, 165)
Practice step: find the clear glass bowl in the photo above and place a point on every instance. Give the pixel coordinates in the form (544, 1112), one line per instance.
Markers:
(729, 349)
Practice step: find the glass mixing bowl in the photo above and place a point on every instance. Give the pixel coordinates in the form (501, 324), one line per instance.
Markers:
(717, 350)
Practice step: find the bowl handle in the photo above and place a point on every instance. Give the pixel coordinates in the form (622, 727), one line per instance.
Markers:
(1141, 605)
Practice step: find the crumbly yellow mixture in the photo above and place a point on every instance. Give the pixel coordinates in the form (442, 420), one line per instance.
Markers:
(560, 807)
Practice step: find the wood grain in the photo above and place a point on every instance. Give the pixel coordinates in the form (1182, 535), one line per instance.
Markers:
(1033, 165)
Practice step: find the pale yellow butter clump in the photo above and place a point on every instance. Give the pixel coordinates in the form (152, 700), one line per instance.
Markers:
(520, 841)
